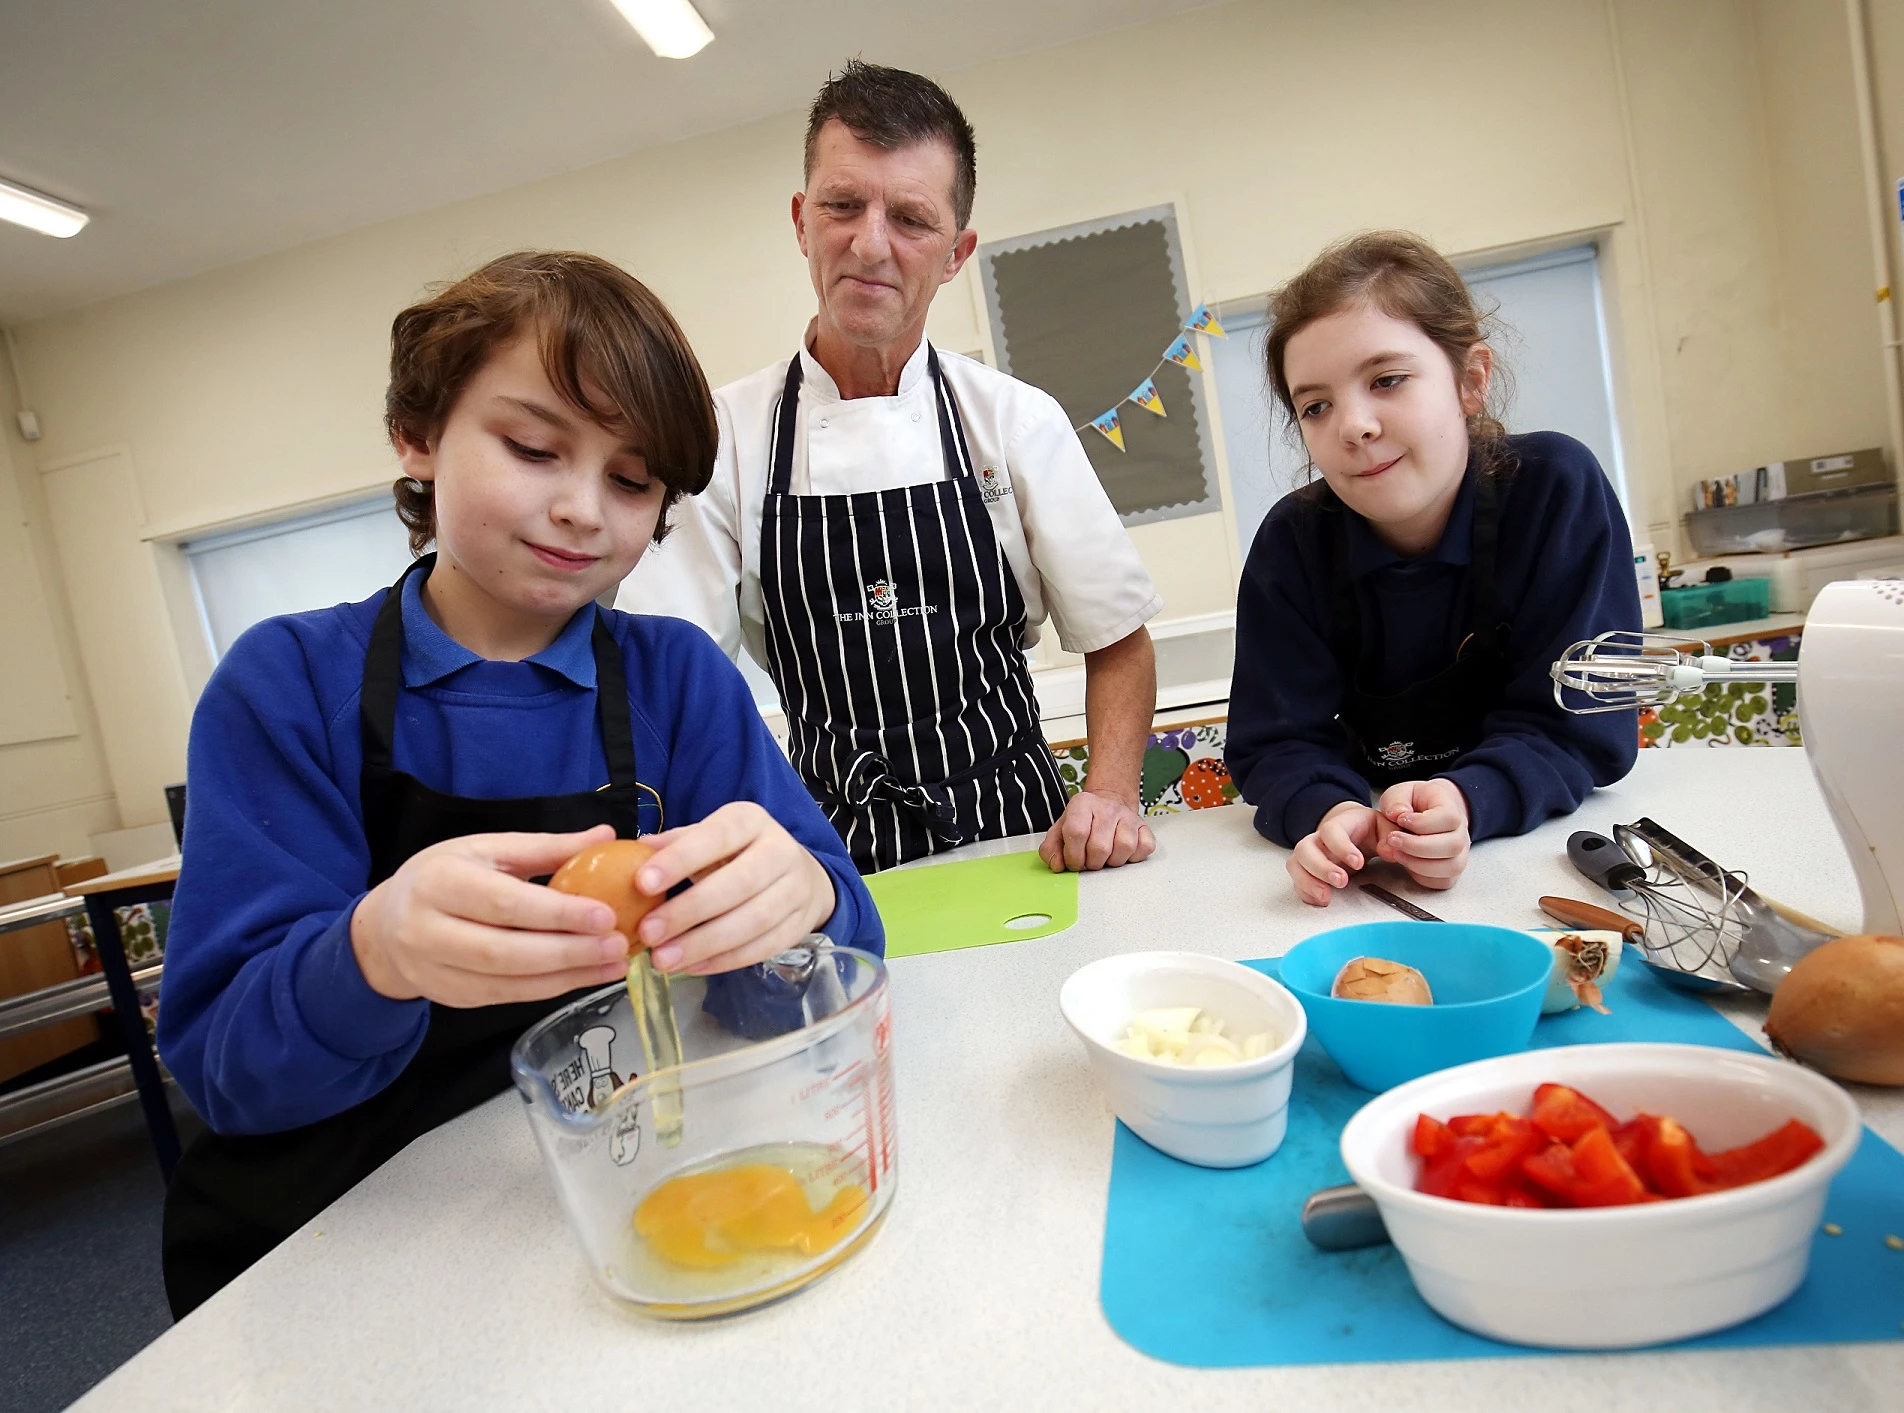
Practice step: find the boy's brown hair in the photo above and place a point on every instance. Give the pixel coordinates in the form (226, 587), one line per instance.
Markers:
(1405, 278)
(600, 329)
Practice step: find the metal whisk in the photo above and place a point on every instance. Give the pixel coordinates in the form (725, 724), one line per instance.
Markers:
(1692, 932)
(1619, 671)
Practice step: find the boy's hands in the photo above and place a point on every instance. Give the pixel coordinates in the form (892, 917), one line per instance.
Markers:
(1429, 833)
(757, 891)
(460, 924)
(1420, 824)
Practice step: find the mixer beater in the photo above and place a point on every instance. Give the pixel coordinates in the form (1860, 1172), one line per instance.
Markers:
(1621, 670)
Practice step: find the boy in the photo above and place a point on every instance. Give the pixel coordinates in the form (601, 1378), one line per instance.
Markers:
(355, 943)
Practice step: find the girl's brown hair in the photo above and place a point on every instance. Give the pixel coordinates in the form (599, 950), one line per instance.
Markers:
(1405, 278)
(608, 345)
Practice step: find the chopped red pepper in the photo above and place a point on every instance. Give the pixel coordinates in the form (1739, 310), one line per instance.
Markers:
(1570, 1152)
(1634, 1139)
(1675, 1164)
(1512, 1140)
(1431, 1136)
(1779, 1151)
(1605, 1178)
(1567, 1114)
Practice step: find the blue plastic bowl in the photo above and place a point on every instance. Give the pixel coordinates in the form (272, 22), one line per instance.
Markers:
(1487, 982)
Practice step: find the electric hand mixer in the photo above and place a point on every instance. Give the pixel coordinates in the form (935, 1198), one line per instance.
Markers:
(1850, 679)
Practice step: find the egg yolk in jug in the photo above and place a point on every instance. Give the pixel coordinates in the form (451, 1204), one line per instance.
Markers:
(715, 1218)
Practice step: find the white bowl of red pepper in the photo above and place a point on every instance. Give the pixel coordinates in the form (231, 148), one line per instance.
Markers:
(1647, 1193)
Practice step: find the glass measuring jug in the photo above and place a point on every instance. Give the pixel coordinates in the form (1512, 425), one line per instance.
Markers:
(785, 1087)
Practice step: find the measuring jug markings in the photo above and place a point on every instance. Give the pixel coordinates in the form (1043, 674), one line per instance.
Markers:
(598, 1047)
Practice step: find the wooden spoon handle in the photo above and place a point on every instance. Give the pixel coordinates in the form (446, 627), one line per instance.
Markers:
(1570, 912)
(1798, 919)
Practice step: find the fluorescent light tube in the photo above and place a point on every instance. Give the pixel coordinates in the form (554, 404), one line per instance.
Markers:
(674, 29)
(40, 213)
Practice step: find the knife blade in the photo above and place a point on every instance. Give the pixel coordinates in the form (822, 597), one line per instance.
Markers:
(1400, 905)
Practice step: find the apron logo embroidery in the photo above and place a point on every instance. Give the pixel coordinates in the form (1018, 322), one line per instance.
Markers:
(1398, 753)
(991, 485)
(882, 605)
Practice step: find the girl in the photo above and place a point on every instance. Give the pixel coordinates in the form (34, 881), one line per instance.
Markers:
(355, 942)
(1396, 620)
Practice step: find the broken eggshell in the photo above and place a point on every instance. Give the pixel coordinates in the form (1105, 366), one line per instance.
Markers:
(1378, 979)
(1584, 961)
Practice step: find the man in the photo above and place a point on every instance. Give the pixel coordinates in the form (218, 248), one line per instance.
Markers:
(887, 526)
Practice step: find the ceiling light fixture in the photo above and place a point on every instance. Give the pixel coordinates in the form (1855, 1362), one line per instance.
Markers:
(674, 29)
(40, 213)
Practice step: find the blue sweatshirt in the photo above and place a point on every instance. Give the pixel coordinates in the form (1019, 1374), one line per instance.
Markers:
(1564, 572)
(265, 1018)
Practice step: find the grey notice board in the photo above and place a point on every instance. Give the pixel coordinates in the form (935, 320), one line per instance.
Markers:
(1084, 312)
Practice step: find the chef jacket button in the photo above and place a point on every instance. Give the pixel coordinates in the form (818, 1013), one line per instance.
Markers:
(823, 421)
(915, 416)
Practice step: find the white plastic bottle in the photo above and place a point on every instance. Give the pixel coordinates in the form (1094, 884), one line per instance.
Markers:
(1652, 614)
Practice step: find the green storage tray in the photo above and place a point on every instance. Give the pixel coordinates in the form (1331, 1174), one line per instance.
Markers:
(1708, 605)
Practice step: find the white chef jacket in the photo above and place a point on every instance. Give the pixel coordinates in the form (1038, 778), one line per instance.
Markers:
(1072, 558)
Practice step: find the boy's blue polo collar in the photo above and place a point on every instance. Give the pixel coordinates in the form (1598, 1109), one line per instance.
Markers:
(1367, 552)
(430, 654)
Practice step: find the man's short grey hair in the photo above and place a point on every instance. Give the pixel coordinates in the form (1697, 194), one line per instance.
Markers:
(891, 108)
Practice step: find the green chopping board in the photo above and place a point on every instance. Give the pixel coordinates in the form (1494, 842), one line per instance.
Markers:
(972, 903)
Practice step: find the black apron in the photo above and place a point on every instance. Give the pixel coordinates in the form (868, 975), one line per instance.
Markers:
(893, 628)
(235, 1196)
(1425, 728)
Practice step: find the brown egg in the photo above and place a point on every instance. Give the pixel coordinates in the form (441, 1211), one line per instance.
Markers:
(607, 871)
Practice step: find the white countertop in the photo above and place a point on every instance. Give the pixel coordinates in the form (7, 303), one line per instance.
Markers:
(449, 1280)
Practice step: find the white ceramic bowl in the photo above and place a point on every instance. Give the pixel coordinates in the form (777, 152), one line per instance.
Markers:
(1610, 1277)
(1222, 1116)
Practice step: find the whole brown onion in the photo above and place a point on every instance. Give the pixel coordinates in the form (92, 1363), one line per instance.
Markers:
(1841, 1010)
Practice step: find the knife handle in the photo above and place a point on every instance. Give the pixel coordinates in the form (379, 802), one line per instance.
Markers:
(1343, 1219)
(1570, 912)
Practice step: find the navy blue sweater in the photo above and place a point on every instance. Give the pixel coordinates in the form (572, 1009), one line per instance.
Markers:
(266, 1019)
(1564, 572)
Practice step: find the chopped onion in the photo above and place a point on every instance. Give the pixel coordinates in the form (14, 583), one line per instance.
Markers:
(1189, 1035)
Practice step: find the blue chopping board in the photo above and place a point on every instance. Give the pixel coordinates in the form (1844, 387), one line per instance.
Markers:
(1210, 1268)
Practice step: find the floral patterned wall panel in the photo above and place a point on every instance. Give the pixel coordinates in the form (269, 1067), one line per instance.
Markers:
(1737, 714)
(1183, 768)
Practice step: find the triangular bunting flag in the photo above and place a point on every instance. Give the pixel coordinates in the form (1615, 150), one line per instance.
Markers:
(1181, 352)
(1145, 396)
(1108, 425)
(1204, 322)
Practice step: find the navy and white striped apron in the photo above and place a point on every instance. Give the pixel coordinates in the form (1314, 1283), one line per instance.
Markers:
(893, 626)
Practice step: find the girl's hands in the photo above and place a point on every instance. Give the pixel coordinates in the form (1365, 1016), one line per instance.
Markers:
(757, 891)
(460, 924)
(1420, 824)
(1344, 840)
(1428, 833)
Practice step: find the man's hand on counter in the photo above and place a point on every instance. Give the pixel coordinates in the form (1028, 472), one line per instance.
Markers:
(1097, 830)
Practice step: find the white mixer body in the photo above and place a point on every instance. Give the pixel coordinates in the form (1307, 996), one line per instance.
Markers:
(1851, 711)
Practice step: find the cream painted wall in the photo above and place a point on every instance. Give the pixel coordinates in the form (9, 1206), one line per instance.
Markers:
(55, 793)
(1273, 127)
(1833, 394)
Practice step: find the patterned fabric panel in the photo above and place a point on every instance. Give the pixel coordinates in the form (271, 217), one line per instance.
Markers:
(1735, 714)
